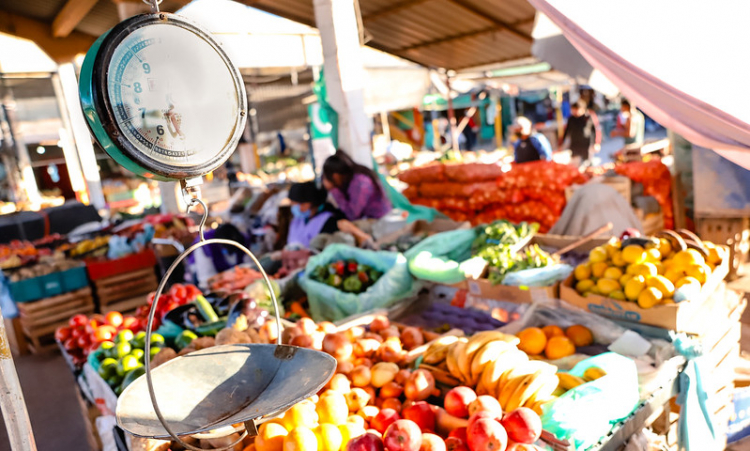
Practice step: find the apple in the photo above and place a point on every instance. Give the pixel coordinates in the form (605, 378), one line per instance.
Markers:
(383, 419)
(459, 433)
(379, 323)
(402, 435)
(487, 435)
(455, 444)
(422, 414)
(482, 415)
(523, 425)
(391, 390)
(391, 403)
(432, 442)
(457, 401)
(485, 403)
(365, 442)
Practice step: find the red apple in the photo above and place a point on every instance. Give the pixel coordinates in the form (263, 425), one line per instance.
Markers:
(523, 425)
(383, 419)
(432, 442)
(459, 433)
(457, 401)
(402, 435)
(487, 435)
(365, 442)
(421, 413)
(482, 415)
(455, 444)
(485, 403)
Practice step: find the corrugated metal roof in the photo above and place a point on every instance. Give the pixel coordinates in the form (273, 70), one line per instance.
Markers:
(453, 34)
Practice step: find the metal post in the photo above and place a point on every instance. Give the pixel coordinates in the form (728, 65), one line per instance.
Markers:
(499, 121)
(16, 416)
(452, 116)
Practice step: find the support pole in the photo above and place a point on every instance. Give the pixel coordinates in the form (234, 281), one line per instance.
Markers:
(344, 74)
(15, 415)
(70, 151)
(499, 122)
(28, 180)
(452, 116)
(386, 125)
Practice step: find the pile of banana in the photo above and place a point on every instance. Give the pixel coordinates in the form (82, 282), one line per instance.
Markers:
(491, 363)
(569, 381)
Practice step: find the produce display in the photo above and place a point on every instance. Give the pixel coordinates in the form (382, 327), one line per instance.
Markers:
(667, 268)
(177, 295)
(94, 247)
(120, 360)
(483, 193)
(498, 243)
(45, 265)
(234, 279)
(17, 253)
(441, 318)
(347, 275)
(657, 183)
(84, 335)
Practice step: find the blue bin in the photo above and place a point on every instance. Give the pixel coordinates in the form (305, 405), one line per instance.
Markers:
(49, 285)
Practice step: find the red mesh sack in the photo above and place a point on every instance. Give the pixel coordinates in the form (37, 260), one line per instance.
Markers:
(429, 173)
(472, 172)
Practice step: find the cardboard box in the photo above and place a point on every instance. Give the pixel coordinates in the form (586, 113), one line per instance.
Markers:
(683, 317)
(483, 288)
(552, 243)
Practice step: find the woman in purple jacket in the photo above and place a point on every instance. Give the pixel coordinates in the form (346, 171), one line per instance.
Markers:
(355, 188)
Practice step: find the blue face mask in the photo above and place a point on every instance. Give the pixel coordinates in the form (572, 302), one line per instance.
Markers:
(297, 213)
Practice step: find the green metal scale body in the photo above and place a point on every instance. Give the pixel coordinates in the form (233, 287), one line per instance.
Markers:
(162, 98)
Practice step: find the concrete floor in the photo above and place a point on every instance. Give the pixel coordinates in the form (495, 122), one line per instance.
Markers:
(50, 393)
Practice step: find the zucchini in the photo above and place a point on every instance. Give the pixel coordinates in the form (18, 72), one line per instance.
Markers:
(205, 309)
(211, 329)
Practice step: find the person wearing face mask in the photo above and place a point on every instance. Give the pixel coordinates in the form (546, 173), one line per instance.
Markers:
(311, 214)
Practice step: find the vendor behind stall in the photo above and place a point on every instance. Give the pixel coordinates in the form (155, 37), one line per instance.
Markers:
(214, 258)
(531, 146)
(311, 214)
(355, 188)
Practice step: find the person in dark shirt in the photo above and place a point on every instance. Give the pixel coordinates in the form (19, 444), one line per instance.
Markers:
(531, 146)
(584, 133)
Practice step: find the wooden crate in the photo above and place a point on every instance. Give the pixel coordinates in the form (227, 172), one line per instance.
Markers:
(125, 292)
(40, 319)
(733, 232)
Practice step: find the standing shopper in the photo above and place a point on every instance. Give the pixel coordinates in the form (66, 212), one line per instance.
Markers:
(531, 146)
(630, 124)
(584, 133)
(355, 188)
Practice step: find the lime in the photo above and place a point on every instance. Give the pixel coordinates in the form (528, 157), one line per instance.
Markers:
(106, 347)
(139, 341)
(122, 349)
(124, 336)
(154, 351)
(127, 364)
(157, 340)
(108, 368)
(138, 354)
(114, 381)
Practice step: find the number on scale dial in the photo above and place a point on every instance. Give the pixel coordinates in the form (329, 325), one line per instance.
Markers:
(173, 96)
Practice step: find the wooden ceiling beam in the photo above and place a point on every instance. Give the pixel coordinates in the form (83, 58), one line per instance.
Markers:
(498, 23)
(60, 50)
(392, 9)
(71, 14)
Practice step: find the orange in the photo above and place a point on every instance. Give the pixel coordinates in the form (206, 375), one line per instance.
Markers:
(301, 439)
(301, 414)
(250, 447)
(533, 340)
(332, 408)
(270, 437)
(553, 331)
(580, 335)
(350, 431)
(559, 347)
(329, 437)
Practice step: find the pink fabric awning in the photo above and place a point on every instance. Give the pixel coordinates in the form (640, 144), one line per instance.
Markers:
(683, 64)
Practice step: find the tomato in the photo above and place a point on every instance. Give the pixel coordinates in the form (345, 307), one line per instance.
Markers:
(77, 332)
(178, 291)
(114, 319)
(150, 298)
(104, 333)
(62, 334)
(78, 320)
(192, 291)
(70, 344)
(83, 341)
(130, 323)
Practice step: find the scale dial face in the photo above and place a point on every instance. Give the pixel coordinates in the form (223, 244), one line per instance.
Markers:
(167, 96)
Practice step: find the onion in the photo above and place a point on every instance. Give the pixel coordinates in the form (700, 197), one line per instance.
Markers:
(357, 399)
(390, 351)
(382, 373)
(344, 367)
(318, 339)
(391, 390)
(391, 331)
(340, 383)
(338, 346)
(360, 376)
(302, 340)
(327, 327)
(355, 333)
(269, 331)
(306, 325)
(379, 323)
(411, 337)
(365, 347)
(374, 336)
(391, 403)
(420, 385)
(289, 333)
(402, 376)
(364, 361)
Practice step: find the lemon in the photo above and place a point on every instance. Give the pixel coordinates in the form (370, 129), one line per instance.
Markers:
(688, 257)
(301, 414)
(583, 271)
(662, 284)
(607, 286)
(698, 271)
(653, 255)
(598, 268)
(686, 281)
(584, 285)
(270, 437)
(329, 437)
(645, 269)
(301, 439)
(595, 290)
(634, 287)
(649, 297)
(674, 274)
(665, 247)
(659, 268)
(617, 260)
(668, 301)
(617, 294)
(598, 254)
(624, 279)
(634, 254)
(612, 273)
(333, 409)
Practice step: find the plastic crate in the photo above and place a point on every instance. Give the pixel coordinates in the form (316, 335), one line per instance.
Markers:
(108, 268)
(49, 285)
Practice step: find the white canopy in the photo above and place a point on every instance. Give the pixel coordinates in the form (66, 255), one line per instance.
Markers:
(681, 62)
